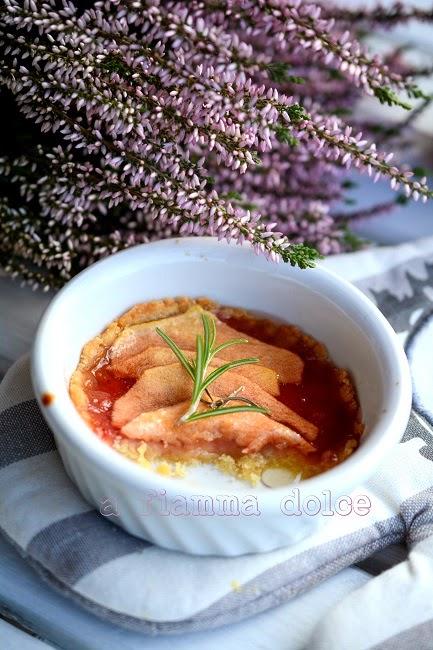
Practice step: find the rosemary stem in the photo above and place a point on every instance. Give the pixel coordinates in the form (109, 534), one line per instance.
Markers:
(192, 409)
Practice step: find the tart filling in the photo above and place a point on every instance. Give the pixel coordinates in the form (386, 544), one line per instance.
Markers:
(134, 392)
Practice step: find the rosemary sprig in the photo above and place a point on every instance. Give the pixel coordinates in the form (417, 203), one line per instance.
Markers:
(198, 371)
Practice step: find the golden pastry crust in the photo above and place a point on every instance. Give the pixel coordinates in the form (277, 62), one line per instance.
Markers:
(159, 309)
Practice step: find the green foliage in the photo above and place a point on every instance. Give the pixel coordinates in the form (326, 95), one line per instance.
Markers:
(348, 184)
(352, 240)
(279, 72)
(296, 113)
(387, 96)
(420, 172)
(284, 135)
(301, 255)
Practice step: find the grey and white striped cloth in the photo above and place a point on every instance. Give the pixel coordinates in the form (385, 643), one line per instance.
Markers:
(137, 585)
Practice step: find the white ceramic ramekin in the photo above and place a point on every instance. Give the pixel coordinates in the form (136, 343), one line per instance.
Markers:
(357, 335)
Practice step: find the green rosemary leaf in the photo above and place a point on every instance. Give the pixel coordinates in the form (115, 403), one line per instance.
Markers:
(189, 367)
(215, 374)
(200, 367)
(209, 335)
(227, 344)
(206, 336)
(226, 410)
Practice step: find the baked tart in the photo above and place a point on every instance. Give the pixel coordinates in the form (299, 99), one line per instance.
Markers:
(180, 381)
